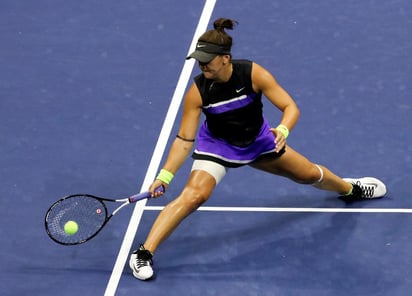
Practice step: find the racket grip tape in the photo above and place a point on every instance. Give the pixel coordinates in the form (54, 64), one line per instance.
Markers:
(143, 195)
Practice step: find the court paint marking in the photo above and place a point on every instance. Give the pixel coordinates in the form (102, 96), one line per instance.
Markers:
(158, 151)
(294, 210)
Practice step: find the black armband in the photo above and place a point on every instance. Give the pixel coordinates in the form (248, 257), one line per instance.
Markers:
(184, 139)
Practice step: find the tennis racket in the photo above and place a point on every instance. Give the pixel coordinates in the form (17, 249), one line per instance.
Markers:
(89, 212)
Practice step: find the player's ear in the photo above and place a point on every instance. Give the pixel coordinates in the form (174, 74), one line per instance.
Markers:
(226, 59)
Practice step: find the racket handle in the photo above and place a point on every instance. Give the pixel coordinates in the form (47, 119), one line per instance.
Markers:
(143, 195)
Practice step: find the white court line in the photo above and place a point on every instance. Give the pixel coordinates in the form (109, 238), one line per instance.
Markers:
(158, 152)
(294, 210)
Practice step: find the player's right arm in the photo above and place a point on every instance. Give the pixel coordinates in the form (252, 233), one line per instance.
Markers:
(182, 145)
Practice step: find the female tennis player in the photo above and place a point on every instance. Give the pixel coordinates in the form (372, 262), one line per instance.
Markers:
(235, 133)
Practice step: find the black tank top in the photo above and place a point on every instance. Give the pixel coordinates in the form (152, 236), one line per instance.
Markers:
(233, 109)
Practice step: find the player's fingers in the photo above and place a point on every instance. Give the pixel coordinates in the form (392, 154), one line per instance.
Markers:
(280, 140)
(279, 146)
(154, 188)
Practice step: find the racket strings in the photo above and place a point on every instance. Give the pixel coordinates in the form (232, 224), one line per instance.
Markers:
(89, 213)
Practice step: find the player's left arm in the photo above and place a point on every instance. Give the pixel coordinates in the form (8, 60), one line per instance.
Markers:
(183, 144)
(264, 81)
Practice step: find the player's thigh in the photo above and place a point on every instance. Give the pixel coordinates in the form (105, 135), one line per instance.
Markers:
(290, 164)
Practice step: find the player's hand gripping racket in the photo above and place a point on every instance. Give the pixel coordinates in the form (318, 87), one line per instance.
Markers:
(89, 214)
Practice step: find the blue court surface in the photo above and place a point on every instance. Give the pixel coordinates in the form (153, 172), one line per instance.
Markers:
(85, 87)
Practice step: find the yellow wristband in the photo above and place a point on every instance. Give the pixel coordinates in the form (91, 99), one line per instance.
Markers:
(283, 129)
(165, 176)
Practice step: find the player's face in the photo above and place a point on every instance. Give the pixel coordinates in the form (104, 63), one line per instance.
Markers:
(216, 68)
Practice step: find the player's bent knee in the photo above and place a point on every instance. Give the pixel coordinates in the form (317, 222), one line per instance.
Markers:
(193, 197)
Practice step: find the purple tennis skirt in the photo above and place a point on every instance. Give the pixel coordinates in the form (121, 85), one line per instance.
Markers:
(217, 150)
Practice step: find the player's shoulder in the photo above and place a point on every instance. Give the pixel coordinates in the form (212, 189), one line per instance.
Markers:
(242, 67)
(248, 65)
(242, 63)
(261, 77)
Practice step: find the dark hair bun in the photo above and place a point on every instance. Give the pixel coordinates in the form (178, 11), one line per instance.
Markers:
(223, 23)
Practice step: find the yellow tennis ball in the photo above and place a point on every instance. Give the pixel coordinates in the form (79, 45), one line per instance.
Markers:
(71, 227)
